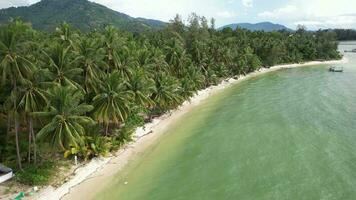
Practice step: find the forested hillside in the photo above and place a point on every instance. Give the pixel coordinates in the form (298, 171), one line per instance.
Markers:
(46, 15)
(345, 34)
(73, 93)
(263, 26)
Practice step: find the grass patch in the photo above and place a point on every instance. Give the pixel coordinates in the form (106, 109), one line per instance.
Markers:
(36, 175)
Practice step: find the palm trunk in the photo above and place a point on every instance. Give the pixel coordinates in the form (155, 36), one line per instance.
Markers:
(34, 142)
(17, 128)
(29, 141)
(17, 142)
(107, 129)
(8, 129)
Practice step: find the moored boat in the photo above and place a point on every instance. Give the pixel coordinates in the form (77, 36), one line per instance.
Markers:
(5, 173)
(336, 69)
(350, 51)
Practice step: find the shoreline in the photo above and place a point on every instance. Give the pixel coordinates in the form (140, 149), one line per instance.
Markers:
(99, 170)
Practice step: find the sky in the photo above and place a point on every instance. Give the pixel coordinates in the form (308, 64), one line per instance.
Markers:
(314, 14)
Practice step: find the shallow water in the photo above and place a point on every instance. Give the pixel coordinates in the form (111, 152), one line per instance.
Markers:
(289, 134)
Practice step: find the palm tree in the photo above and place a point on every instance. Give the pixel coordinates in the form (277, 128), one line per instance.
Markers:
(142, 87)
(143, 56)
(156, 62)
(123, 63)
(111, 41)
(191, 81)
(112, 104)
(32, 99)
(14, 68)
(175, 55)
(65, 34)
(91, 60)
(66, 118)
(166, 95)
(63, 67)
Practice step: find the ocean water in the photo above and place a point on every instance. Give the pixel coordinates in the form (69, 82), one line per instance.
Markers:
(289, 134)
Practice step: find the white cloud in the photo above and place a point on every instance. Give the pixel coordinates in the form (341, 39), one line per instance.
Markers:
(164, 9)
(13, 3)
(338, 21)
(247, 3)
(322, 8)
(309, 23)
(226, 14)
(286, 11)
(315, 14)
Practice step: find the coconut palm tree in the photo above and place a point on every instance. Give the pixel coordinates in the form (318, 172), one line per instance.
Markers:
(65, 115)
(112, 104)
(175, 55)
(32, 98)
(111, 41)
(123, 63)
(65, 34)
(91, 60)
(142, 87)
(64, 67)
(14, 68)
(191, 81)
(156, 62)
(166, 95)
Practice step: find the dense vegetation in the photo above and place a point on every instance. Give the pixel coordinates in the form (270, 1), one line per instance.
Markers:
(71, 93)
(46, 15)
(345, 34)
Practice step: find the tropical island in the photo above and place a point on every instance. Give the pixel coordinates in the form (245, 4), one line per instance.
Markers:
(79, 94)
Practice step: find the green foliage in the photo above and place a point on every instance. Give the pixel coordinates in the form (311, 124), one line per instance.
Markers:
(66, 120)
(36, 175)
(111, 104)
(125, 133)
(166, 94)
(93, 146)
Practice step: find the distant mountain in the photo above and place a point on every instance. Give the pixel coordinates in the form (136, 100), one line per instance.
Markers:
(48, 14)
(263, 26)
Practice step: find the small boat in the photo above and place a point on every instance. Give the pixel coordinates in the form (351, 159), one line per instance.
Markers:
(351, 51)
(5, 173)
(336, 69)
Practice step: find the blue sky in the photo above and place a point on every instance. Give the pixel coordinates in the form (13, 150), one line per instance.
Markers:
(312, 13)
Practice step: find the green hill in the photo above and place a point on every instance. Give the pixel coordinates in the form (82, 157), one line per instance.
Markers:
(48, 14)
(263, 26)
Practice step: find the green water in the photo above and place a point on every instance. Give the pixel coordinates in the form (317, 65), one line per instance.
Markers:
(289, 134)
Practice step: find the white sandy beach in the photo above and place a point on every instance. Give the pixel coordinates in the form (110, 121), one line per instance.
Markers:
(92, 177)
